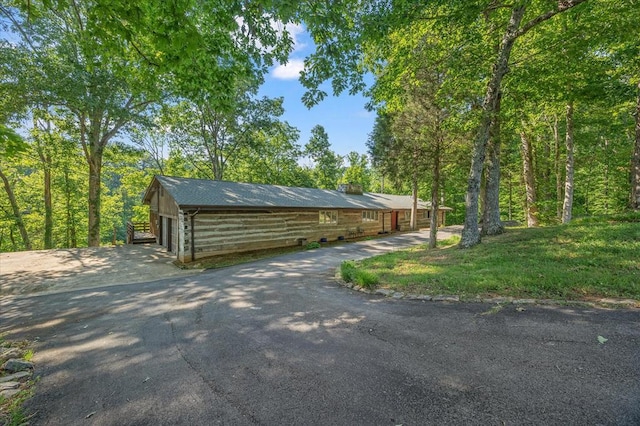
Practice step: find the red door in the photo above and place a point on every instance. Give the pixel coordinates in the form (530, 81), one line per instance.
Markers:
(394, 220)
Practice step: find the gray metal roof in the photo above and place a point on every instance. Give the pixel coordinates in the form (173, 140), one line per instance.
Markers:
(221, 194)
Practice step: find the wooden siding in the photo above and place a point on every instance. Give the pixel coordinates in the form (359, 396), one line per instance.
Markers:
(423, 222)
(237, 231)
(162, 207)
(166, 204)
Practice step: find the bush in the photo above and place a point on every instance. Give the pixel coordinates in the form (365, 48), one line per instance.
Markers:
(350, 273)
(348, 270)
(365, 278)
(312, 245)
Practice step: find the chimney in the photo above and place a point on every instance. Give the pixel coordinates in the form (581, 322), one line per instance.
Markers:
(350, 188)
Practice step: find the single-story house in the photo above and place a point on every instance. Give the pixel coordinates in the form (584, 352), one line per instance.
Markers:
(196, 218)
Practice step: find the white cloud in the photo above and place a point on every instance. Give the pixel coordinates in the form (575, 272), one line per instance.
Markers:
(295, 31)
(289, 71)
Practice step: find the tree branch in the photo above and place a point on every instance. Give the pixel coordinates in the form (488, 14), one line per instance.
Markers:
(563, 5)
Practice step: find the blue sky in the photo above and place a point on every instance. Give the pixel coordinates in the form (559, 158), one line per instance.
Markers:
(344, 118)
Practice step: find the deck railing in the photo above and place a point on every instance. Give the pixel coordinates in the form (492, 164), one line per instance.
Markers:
(133, 227)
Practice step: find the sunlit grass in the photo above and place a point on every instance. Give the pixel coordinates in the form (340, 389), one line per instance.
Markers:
(575, 262)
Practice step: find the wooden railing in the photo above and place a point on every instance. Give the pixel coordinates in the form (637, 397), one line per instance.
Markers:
(133, 227)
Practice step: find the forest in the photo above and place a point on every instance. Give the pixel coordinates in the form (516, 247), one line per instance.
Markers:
(524, 111)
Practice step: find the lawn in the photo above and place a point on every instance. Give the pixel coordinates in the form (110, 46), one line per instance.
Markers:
(581, 261)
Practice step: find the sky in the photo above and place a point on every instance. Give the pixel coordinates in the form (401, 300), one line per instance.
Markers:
(344, 118)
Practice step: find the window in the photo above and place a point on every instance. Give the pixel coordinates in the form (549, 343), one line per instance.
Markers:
(369, 216)
(427, 214)
(407, 215)
(328, 217)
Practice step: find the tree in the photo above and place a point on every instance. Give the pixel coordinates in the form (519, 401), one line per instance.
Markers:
(11, 145)
(380, 145)
(212, 139)
(103, 61)
(357, 171)
(91, 86)
(327, 164)
(338, 58)
(271, 158)
(635, 162)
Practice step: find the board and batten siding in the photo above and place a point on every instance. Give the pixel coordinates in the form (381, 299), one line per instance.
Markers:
(225, 232)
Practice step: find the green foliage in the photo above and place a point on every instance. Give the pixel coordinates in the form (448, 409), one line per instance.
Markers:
(84, 73)
(358, 171)
(365, 279)
(213, 140)
(348, 270)
(11, 144)
(312, 245)
(351, 272)
(327, 164)
(580, 261)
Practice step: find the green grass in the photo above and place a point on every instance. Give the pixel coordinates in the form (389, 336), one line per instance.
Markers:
(350, 273)
(582, 261)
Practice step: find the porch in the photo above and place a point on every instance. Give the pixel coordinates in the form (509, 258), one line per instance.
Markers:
(140, 233)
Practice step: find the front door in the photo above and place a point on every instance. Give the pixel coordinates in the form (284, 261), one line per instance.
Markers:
(394, 220)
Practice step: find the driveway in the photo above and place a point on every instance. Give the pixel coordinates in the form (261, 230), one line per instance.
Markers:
(279, 342)
(71, 269)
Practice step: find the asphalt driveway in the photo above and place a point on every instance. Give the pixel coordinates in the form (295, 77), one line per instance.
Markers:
(279, 342)
(56, 270)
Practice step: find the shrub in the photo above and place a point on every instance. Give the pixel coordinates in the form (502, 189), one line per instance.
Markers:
(312, 245)
(350, 273)
(365, 278)
(348, 270)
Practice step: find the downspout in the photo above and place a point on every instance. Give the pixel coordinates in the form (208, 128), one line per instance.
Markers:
(192, 216)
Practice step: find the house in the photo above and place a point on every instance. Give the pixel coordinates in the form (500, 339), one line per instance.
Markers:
(196, 218)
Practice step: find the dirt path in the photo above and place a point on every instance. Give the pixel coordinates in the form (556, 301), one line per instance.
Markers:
(63, 269)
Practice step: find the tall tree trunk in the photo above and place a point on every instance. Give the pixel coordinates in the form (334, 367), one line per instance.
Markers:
(71, 234)
(531, 210)
(94, 139)
(413, 224)
(12, 237)
(557, 168)
(606, 176)
(16, 211)
(44, 145)
(95, 171)
(48, 208)
(567, 206)
(45, 158)
(635, 161)
(491, 223)
(510, 195)
(433, 225)
(470, 232)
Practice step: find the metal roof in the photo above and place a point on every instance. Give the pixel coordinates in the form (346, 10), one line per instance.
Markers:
(222, 194)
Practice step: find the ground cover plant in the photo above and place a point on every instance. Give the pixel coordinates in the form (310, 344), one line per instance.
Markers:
(11, 407)
(585, 260)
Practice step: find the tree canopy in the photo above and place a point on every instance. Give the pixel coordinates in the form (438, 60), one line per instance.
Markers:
(527, 110)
